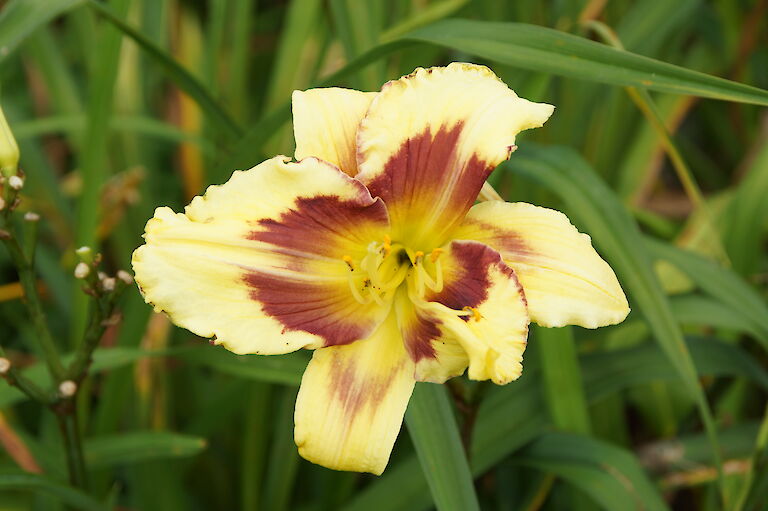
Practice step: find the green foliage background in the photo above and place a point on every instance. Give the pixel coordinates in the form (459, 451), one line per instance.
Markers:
(125, 105)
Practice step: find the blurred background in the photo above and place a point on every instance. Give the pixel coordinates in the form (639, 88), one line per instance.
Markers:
(122, 106)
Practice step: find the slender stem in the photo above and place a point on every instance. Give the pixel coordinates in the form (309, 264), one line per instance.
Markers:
(101, 311)
(645, 104)
(66, 413)
(647, 107)
(17, 379)
(32, 300)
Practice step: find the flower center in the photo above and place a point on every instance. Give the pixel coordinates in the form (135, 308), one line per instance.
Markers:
(386, 265)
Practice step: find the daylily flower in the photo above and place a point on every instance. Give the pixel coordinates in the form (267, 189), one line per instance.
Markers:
(369, 250)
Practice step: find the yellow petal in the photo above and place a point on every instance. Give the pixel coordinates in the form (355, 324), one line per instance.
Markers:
(429, 141)
(325, 124)
(352, 401)
(565, 280)
(258, 263)
(479, 310)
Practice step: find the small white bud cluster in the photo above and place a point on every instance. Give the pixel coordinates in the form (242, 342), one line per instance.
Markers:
(31, 216)
(5, 366)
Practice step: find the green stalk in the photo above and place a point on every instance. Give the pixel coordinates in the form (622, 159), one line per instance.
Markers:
(642, 99)
(25, 269)
(644, 102)
(73, 448)
(17, 379)
(254, 446)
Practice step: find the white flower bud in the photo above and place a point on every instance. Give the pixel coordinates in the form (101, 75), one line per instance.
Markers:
(31, 216)
(5, 365)
(82, 270)
(108, 284)
(67, 388)
(16, 183)
(2, 204)
(125, 277)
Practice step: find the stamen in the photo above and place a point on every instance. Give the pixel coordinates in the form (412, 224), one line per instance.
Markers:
(474, 312)
(418, 256)
(387, 247)
(435, 254)
(348, 259)
(356, 292)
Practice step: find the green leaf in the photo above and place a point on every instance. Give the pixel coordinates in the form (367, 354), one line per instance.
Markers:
(432, 428)
(609, 372)
(180, 76)
(552, 51)
(609, 474)
(698, 310)
(103, 360)
(17, 480)
(594, 206)
(285, 369)
(717, 281)
(138, 446)
(747, 212)
(561, 373)
(511, 416)
(19, 18)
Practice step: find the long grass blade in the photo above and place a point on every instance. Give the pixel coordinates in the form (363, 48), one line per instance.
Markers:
(434, 433)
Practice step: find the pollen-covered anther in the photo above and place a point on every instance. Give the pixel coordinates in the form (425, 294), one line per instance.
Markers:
(387, 246)
(418, 256)
(473, 312)
(435, 254)
(348, 260)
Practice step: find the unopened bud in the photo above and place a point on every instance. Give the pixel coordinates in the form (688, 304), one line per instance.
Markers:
(82, 270)
(67, 388)
(5, 365)
(9, 150)
(16, 182)
(108, 284)
(31, 216)
(2, 204)
(85, 254)
(125, 277)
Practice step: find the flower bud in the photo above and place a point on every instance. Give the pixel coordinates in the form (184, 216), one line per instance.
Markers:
(82, 270)
(2, 204)
(5, 365)
(108, 284)
(85, 254)
(125, 277)
(16, 182)
(67, 388)
(31, 216)
(9, 150)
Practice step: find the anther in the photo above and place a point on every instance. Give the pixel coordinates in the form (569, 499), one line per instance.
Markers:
(387, 245)
(347, 259)
(475, 313)
(435, 254)
(418, 255)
